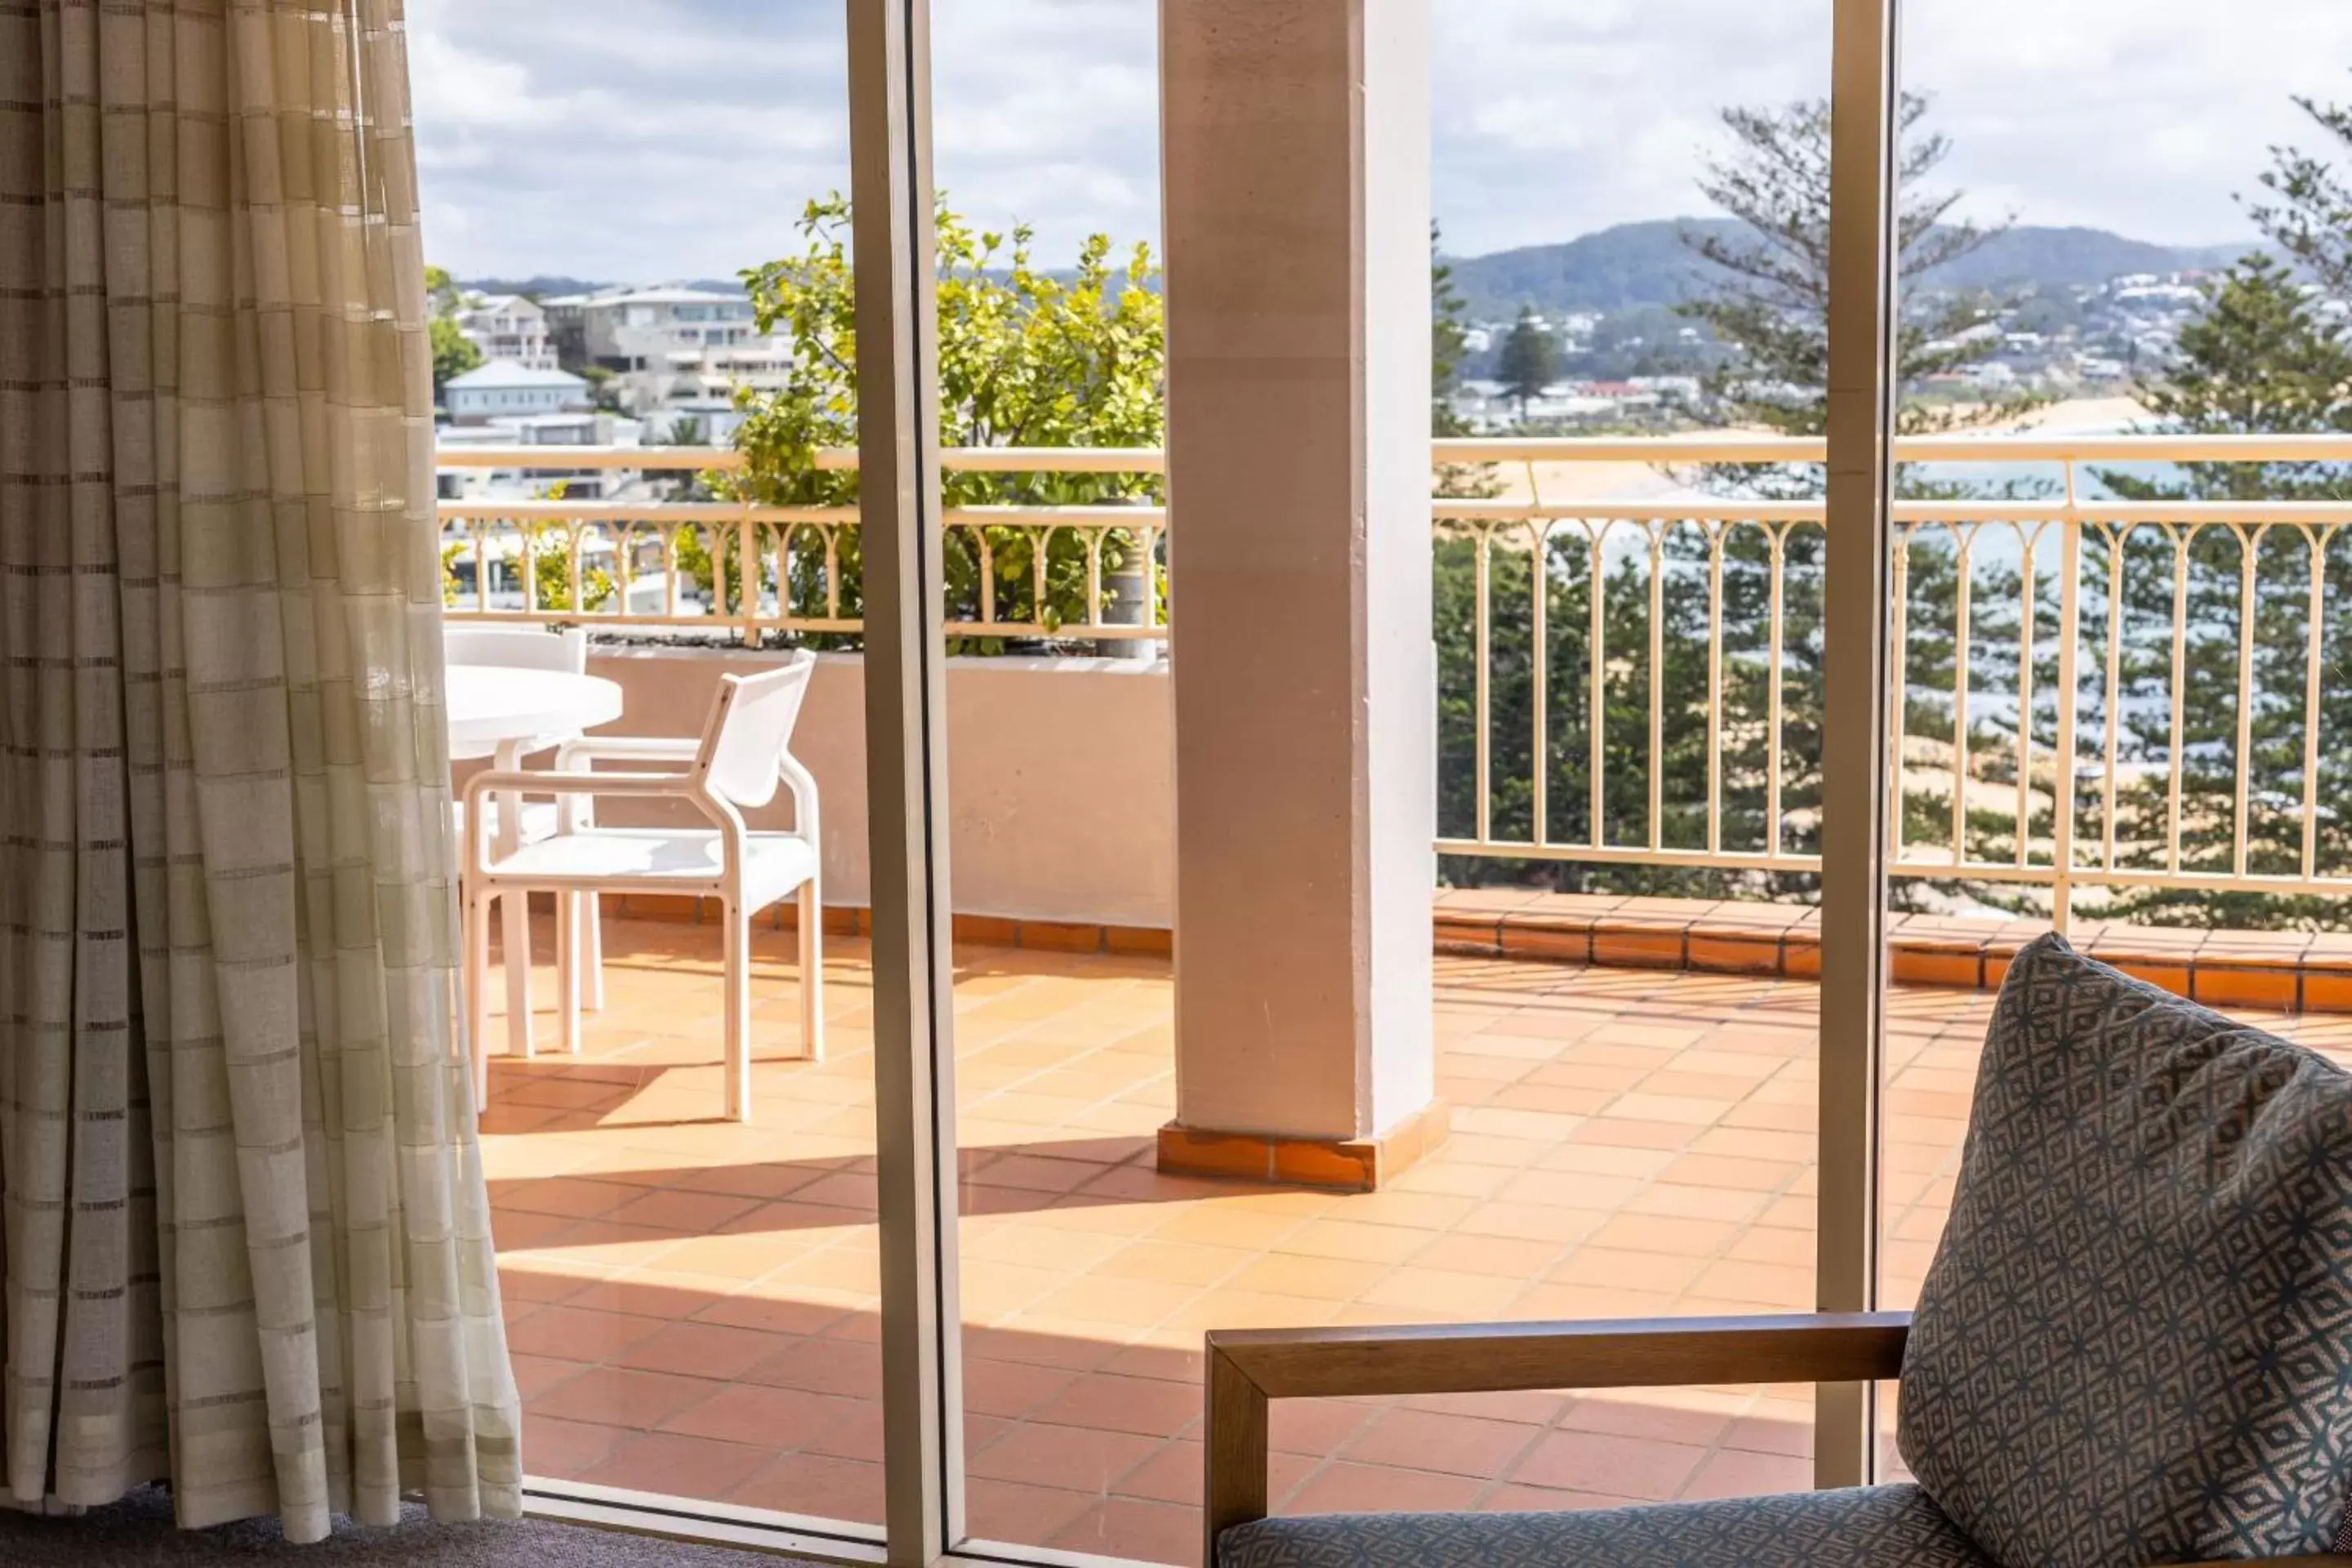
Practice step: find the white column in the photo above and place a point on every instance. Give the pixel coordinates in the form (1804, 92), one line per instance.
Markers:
(1297, 148)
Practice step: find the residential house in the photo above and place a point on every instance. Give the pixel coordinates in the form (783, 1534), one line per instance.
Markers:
(506, 389)
(508, 327)
(677, 353)
(638, 329)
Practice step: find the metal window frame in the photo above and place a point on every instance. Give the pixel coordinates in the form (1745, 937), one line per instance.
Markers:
(1865, 95)
(894, 249)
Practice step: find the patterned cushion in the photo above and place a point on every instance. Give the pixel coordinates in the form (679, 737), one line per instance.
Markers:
(2134, 1346)
(1877, 1527)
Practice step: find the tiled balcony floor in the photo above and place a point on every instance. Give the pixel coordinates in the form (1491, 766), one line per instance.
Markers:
(693, 1304)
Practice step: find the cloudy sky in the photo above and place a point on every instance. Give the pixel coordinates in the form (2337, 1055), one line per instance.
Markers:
(653, 139)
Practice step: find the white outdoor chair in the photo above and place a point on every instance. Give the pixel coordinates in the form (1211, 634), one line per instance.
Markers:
(530, 648)
(739, 761)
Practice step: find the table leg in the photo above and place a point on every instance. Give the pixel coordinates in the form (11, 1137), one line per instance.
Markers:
(514, 911)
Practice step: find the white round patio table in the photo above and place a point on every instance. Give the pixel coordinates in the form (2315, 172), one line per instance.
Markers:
(503, 713)
(494, 706)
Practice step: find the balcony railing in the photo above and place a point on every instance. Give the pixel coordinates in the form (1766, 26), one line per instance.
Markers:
(1651, 695)
(676, 563)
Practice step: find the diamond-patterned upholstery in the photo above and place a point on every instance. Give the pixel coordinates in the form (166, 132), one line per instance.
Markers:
(2135, 1344)
(1875, 1527)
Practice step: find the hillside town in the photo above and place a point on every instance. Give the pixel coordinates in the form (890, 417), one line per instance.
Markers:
(665, 364)
(1646, 368)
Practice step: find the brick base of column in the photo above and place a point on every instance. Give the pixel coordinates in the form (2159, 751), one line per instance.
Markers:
(1351, 1165)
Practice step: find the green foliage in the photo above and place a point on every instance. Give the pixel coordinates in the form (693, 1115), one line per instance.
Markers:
(2308, 210)
(454, 354)
(551, 570)
(452, 351)
(1025, 359)
(1768, 296)
(2262, 359)
(696, 561)
(1449, 334)
(1449, 331)
(550, 548)
(1531, 360)
(1624, 673)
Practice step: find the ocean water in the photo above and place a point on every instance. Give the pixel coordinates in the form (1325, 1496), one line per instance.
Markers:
(2032, 479)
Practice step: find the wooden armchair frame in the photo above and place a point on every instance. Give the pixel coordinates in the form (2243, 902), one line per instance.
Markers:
(1247, 1368)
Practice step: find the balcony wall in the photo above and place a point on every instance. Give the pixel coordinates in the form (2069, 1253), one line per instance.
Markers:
(1063, 774)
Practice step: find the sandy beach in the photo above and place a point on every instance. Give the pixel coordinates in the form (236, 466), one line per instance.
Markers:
(1563, 481)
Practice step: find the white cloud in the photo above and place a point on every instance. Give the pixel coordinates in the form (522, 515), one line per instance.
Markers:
(674, 138)
(2145, 116)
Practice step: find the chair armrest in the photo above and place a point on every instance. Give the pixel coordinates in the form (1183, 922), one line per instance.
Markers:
(628, 749)
(558, 782)
(803, 785)
(1249, 1367)
(564, 784)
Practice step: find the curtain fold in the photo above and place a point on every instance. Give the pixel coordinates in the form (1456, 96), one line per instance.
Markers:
(247, 1233)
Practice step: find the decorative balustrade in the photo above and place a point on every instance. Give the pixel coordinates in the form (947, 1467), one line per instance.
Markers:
(1651, 695)
(1091, 572)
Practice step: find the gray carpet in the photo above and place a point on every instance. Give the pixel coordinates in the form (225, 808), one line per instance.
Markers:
(138, 1534)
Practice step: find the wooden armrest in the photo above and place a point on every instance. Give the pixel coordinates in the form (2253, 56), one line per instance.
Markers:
(1248, 1367)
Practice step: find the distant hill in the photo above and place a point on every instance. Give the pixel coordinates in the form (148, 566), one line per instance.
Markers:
(2066, 257)
(539, 287)
(1637, 264)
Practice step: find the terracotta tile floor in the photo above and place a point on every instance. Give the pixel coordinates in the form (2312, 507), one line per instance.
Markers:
(693, 1304)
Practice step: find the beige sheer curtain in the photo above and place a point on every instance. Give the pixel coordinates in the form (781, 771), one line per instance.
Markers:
(248, 1240)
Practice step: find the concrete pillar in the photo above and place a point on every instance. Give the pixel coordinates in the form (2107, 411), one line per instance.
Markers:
(1296, 188)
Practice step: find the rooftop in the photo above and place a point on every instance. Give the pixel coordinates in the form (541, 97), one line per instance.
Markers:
(662, 294)
(505, 372)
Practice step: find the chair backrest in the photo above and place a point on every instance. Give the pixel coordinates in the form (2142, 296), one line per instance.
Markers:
(517, 647)
(2131, 1345)
(750, 726)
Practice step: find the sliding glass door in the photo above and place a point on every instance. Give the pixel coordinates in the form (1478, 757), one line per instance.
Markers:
(1368, 660)
(694, 1304)
(1205, 698)
(2114, 719)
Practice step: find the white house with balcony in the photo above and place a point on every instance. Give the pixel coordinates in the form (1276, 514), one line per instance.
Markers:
(504, 389)
(677, 353)
(692, 394)
(508, 327)
(638, 329)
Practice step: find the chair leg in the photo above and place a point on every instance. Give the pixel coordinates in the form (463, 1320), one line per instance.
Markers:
(567, 972)
(811, 926)
(738, 943)
(591, 914)
(478, 996)
(515, 906)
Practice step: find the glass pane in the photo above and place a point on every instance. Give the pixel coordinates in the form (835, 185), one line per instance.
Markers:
(692, 1301)
(2114, 720)
(1621, 1021)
